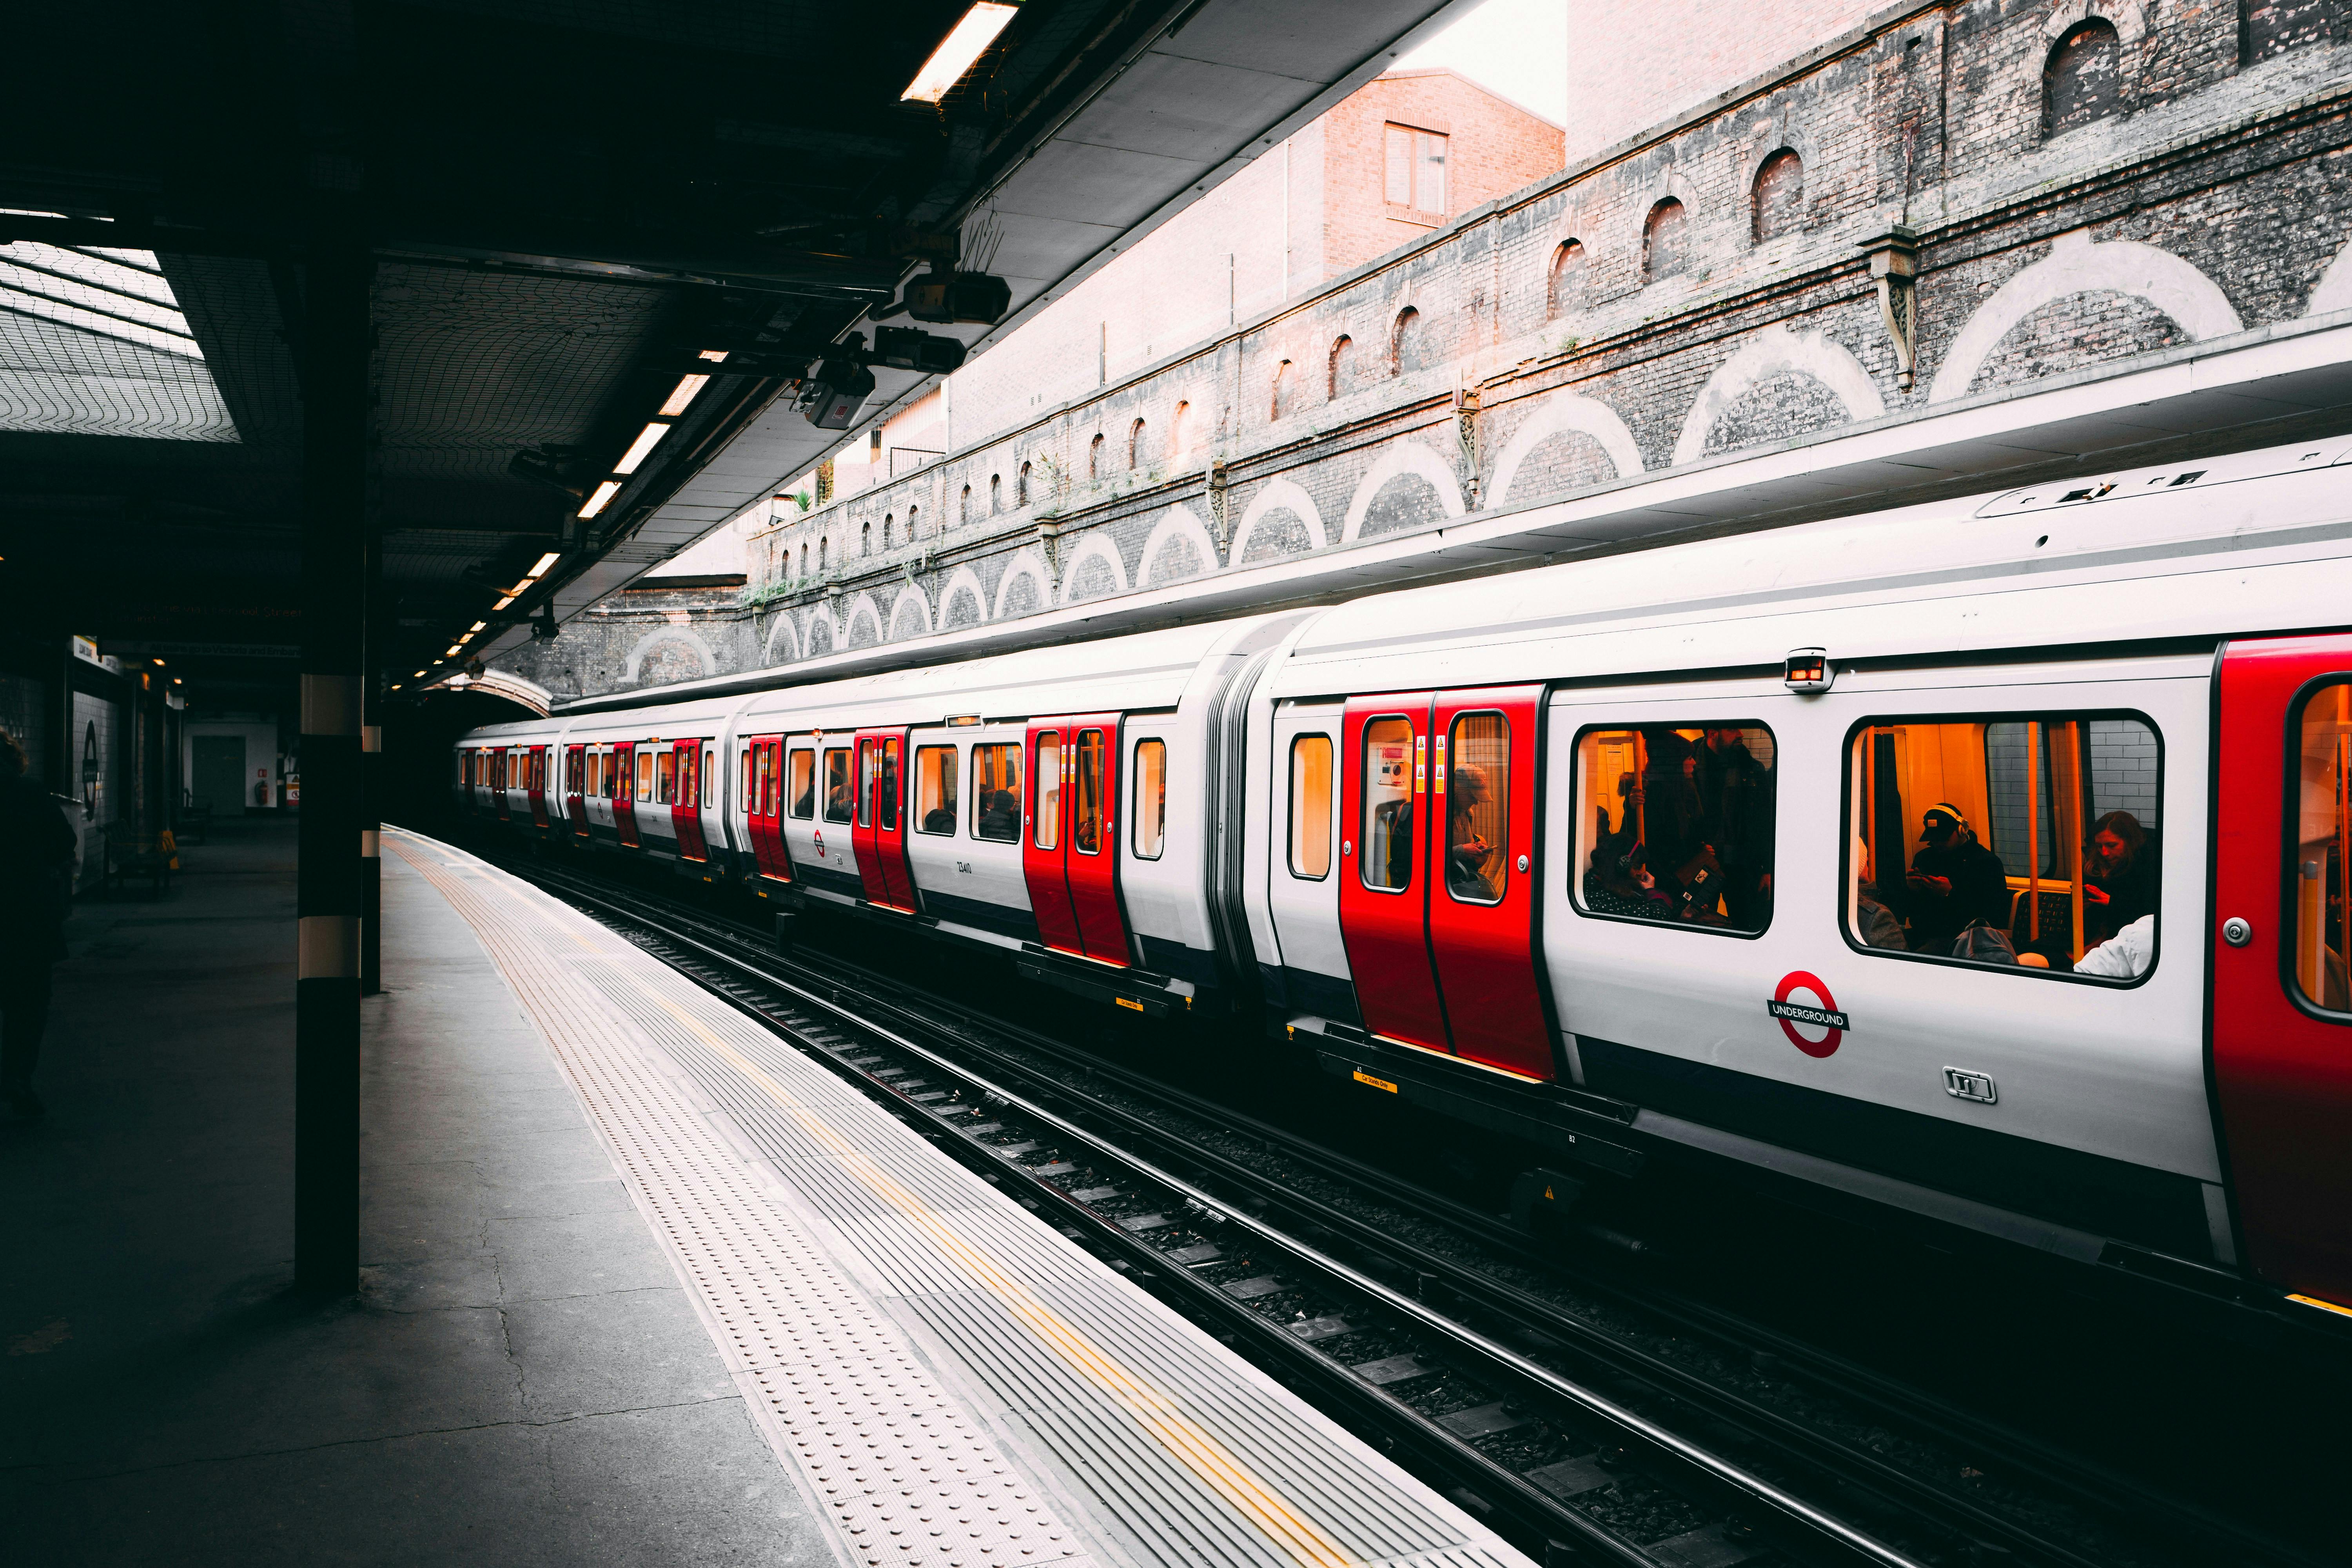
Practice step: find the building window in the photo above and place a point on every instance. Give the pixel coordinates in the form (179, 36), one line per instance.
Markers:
(912, 513)
(804, 557)
(2267, 27)
(995, 494)
(963, 513)
(866, 539)
(890, 537)
(1094, 457)
(1661, 241)
(1407, 347)
(1021, 485)
(1416, 169)
(1283, 396)
(1564, 286)
(1780, 196)
(2083, 80)
(1342, 375)
(1176, 431)
(824, 550)
(1135, 453)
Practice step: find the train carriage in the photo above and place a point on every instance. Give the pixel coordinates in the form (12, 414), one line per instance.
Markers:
(1983, 861)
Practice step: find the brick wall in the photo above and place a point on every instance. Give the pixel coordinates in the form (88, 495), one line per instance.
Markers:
(2208, 205)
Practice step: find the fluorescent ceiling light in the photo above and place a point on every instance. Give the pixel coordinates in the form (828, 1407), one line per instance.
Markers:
(602, 499)
(546, 561)
(477, 626)
(640, 447)
(502, 603)
(450, 652)
(420, 675)
(716, 356)
(687, 387)
(957, 51)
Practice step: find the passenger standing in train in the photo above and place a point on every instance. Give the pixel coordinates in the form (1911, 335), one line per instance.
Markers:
(1955, 882)
(37, 853)
(1667, 805)
(1736, 817)
(2119, 876)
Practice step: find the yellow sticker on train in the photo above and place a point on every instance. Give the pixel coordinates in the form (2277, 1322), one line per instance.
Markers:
(1128, 1002)
(1363, 1076)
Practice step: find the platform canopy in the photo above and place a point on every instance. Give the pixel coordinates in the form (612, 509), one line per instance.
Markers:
(573, 208)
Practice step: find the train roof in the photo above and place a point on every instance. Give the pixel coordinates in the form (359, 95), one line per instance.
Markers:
(2253, 541)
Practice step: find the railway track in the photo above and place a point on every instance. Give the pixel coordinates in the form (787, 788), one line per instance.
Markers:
(1567, 1436)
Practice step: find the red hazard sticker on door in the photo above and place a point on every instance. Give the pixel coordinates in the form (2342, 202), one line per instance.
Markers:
(1819, 1010)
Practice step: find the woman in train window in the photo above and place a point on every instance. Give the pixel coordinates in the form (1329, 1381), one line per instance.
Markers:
(1471, 862)
(2119, 876)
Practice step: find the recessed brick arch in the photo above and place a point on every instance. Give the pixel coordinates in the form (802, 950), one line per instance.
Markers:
(2077, 266)
(964, 586)
(686, 636)
(864, 615)
(910, 606)
(782, 645)
(1094, 547)
(1026, 564)
(1777, 351)
(1402, 457)
(1178, 526)
(1565, 414)
(1280, 495)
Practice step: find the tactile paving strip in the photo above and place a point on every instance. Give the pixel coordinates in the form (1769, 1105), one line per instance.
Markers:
(1188, 1455)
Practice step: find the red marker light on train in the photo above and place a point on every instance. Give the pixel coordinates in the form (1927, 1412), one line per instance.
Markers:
(1807, 670)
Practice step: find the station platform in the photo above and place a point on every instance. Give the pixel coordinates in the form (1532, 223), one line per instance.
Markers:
(642, 1284)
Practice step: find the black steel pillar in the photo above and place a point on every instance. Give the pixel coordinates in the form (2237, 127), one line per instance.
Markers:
(371, 694)
(335, 348)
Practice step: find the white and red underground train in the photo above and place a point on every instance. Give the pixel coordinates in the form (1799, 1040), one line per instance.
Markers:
(1622, 857)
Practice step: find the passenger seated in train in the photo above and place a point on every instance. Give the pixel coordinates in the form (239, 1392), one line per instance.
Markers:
(2125, 955)
(2119, 875)
(1001, 818)
(1470, 860)
(939, 819)
(1392, 841)
(804, 802)
(1955, 882)
(1875, 923)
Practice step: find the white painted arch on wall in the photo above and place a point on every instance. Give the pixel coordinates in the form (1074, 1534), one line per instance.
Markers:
(2333, 290)
(1776, 351)
(1179, 521)
(1278, 495)
(2075, 264)
(862, 608)
(1402, 457)
(1097, 547)
(922, 609)
(965, 579)
(786, 632)
(1566, 414)
(1029, 564)
(670, 633)
(834, 641)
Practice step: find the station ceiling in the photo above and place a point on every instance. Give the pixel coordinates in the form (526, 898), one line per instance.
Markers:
(569, 204)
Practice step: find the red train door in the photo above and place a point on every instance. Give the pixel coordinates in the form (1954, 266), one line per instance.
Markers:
(686, 800)
(505, 775)
(624, 793)
(763, 806)
(576, 778)
(1045, 832)
(880, 830)
(537, 764)
(1482, 876)
(2282, 1018)
(1383, 861)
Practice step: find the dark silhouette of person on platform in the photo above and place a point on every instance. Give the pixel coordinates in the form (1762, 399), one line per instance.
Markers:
(37, 852)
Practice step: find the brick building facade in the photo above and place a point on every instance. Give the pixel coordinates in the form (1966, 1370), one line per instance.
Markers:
(2087, 185)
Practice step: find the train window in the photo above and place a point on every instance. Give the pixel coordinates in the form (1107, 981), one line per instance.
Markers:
(1151, 830)
(803, 783)
(1474, 772)
(1049, 790)
(1087, 808)
(884, 790)
(839, 795)
(1310, 806)
(1675, 823)
(2320, 871)
(711, 775)
(996, 793)
(2022, 842)
(665, 777)
(757, 785)
(1386, 864)
(935, 789)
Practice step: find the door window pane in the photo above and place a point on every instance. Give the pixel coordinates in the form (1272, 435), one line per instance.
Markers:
(664, 778)
(709, 772)
(1310, 806)
(886, 786)
(996, 793)
(1475, 774)
(1086, 811)
(1048, 835)
(1151, 830)
(839, 795)
(935, 789)
(750, 781)
(869, 755)
(762, 788)
(645, 776)
(804, 766)
(2016, 842)
(1675, 823)
(2321, 873)
(1387, 857)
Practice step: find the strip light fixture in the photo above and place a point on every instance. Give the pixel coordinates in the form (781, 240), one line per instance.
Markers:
(602, 498)
(546, 561)
(958, 51)
(687, 387)
(640, 448)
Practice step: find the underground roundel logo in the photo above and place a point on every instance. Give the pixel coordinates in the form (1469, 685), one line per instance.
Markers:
(1819, 1010)
(819, 843)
